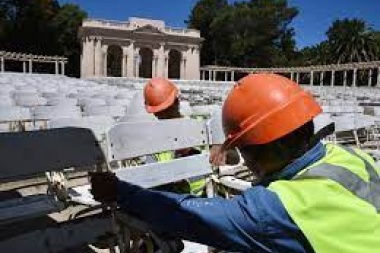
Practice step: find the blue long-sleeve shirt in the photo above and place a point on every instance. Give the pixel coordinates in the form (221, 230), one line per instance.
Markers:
(255, 221)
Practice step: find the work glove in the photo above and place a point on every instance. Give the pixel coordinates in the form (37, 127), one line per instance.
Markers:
(104, 186)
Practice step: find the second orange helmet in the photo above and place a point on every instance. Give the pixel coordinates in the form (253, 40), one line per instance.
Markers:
(159, 94)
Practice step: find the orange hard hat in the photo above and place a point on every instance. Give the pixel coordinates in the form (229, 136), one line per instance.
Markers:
(262, 108)
(159, 94)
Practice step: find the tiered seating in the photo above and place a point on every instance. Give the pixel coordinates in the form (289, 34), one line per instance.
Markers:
(113, 109)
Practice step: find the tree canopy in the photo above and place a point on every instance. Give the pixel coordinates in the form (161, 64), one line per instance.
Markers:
(348, 40)
(42, 27)
(258, 33)
(253, 33)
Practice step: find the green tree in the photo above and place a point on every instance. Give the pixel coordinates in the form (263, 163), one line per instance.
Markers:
(352, 40)
(201, 17)
(315, 55)
(249, 34)
(66, 23)
(31, 29)
(41, 27)
(377, 39)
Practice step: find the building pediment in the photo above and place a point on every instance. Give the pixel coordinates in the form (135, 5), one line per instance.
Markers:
(148, 29)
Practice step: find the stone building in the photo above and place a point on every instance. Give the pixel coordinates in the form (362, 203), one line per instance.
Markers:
(139, 48)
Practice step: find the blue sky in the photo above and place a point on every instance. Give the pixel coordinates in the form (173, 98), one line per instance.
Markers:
(311, 24)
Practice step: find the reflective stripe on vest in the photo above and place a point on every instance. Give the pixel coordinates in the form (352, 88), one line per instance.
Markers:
(367, 191)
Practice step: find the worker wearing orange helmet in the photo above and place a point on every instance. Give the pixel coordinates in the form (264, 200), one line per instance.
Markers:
(312, 197)
(161, 99)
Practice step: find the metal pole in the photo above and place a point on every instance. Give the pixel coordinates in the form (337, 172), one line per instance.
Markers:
(56, 68)
(225, 76)
(355, 78)
(63, 68)
(214, 75)
(209, 75)
(369, 77)
(30, 66)
(333, 78)
(378, 76)
(297, 77)
(24, 67)
(322, 75)
(233, 75)
(2, 67)
(312, 78)
(345, 78)
(291, 76)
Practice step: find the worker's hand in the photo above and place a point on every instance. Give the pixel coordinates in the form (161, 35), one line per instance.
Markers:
(217, 155)
(103, 186)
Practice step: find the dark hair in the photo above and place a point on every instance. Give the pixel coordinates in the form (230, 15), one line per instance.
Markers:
(298, 142)
(288, 147)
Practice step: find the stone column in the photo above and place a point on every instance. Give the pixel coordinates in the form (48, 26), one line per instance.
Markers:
(104, 62)
(215, 73)
(333, 78)
(322, 76)
(160, 64)
(124, 61)
(166, 64)
(24, 67)
(63, 68)
(192, 62)
(155, 63)
(203, 74)
(98, 57)
(378, 76)
(183, 66)
(233, 76)
(355, 77)
(292, 76)
(226, 76)
(88, 49)
(345, 78)
(131, 59)
(311, 78)
(185, 69)
(369, 77)
(209, 75)
(83, 59)
(30, 66)
(137, 62)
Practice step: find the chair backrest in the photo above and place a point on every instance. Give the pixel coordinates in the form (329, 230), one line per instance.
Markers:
(99, 125)
(136, 106)
(131, 140)
(203, 110)
(14, 113)
(29, 100)
(137, 118)
(56, 112)
(107, 110)
(26, 154)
